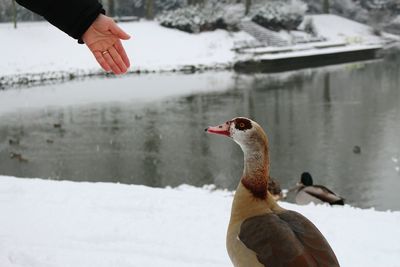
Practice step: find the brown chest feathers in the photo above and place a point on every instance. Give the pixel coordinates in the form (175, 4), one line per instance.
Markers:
(257, 185)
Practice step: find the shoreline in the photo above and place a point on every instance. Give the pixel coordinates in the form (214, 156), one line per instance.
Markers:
(156, 49)
(26, 80)
(36, 79)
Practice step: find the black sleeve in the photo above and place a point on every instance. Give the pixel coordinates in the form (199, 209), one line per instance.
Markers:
(71, 16)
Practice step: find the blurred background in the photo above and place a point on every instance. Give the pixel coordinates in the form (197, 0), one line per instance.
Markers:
(381, 14)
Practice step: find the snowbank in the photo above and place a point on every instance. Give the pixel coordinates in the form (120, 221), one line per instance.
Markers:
(38, 47)
(340, 29)
(49, 223)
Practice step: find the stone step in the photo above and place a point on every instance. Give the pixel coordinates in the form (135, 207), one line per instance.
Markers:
(262, 34)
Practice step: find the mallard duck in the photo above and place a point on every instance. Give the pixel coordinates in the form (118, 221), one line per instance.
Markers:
(307, 192)
(275, 188)
(260, 232)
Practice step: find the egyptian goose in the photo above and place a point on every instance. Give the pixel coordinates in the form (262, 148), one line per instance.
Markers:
(260, 232)
(307, 192)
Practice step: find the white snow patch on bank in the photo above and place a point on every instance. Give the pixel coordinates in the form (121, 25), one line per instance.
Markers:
(48, 223)
(39, 47)
(340, 29)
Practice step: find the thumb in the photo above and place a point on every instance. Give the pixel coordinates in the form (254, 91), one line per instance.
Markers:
(117, 31)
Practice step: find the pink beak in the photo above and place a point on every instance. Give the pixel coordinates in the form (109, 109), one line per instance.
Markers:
(223, 129)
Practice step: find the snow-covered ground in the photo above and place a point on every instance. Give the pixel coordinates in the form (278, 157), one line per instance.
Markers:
(38, 47)
(336, 28)
(51, 223)
(340, 34)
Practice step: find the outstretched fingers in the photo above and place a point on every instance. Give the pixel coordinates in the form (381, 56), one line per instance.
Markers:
(118, 32)
(117, 59)
(110, 61)
(114, 59)
(121, 51)
(101, 60)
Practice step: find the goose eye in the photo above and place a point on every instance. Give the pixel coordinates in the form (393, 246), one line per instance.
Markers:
(242, 124)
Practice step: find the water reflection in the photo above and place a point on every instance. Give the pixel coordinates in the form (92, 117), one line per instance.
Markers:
(150, 130)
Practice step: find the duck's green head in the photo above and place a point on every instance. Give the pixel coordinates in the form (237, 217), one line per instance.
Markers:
(306, 179)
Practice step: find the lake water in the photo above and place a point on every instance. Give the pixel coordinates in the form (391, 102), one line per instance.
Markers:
(149, 129)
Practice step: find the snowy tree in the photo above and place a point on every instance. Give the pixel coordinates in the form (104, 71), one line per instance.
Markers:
(163, 5)
(366, 11)
(248, 6)
(14, 12)
(396, 20)
(309, 27)
(277, 15)
(10, 11)
(111, 8)
(5, 10)
(326, 6)
(207, 17)
(149, 4)
(195, 2)
(146, 8)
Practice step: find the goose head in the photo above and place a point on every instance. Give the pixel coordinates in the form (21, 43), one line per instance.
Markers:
(246, 133)
(254, 143)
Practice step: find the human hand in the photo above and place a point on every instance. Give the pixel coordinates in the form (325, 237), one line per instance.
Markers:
(103, 39)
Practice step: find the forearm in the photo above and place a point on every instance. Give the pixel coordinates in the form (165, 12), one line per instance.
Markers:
(71, 16)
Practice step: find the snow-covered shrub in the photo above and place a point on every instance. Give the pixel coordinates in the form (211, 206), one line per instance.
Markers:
(23, 14)
(309, 27)
(169, 4)
(396, 20)
(185, 19)
(394, 6)
(314, 6)
(360, 15)
(394, 25)
(194, 19)
(278, 15)
(346, 8)
(232, 14)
